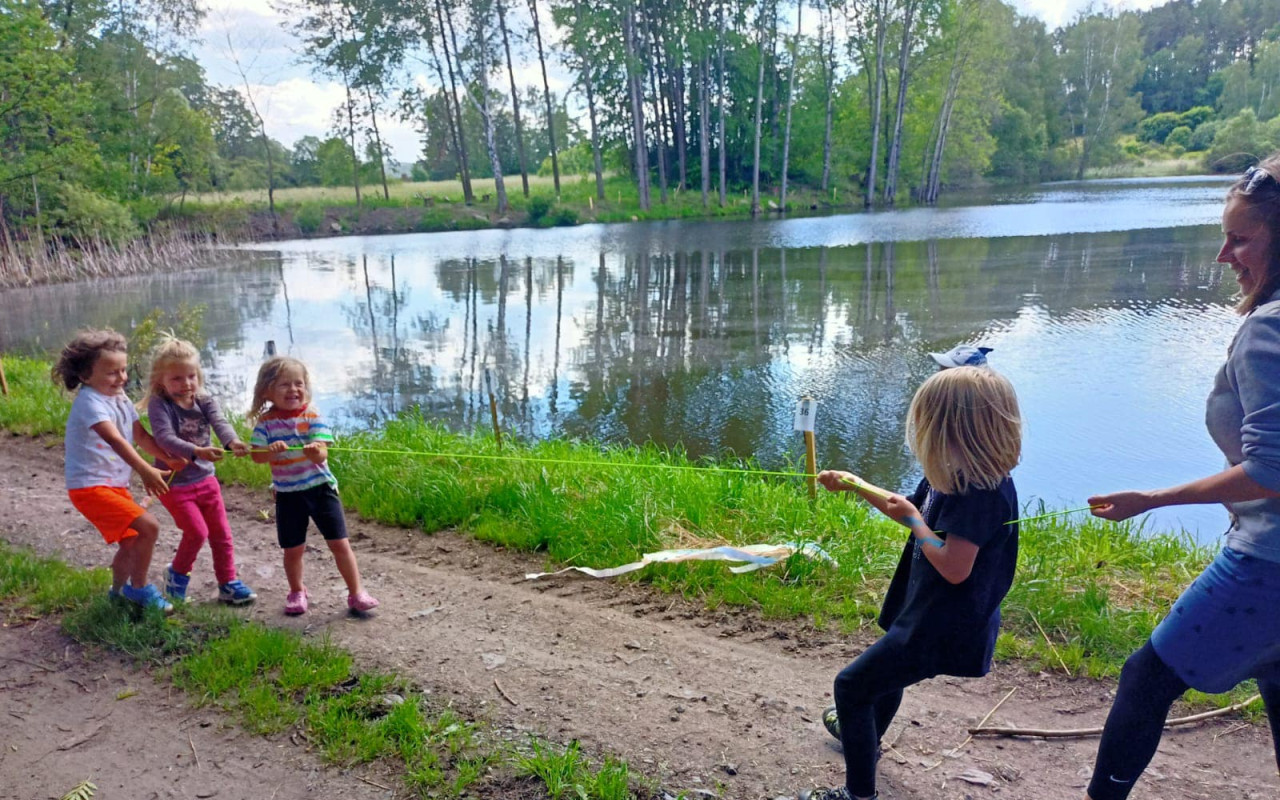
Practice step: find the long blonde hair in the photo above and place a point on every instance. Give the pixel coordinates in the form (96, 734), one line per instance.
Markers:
(1259, 190)
(965, 428)
(169, 351)
(268, 374)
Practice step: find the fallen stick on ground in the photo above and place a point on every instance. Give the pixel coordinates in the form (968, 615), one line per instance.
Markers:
(956, 750)
(1074, 732)
(504, 694)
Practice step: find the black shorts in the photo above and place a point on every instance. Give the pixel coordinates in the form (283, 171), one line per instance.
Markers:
(295, 509)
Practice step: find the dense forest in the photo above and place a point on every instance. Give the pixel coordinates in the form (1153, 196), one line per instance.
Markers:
(108, 123)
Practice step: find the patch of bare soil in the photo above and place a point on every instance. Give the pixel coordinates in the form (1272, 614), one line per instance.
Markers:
(72, 715)
(717, 703)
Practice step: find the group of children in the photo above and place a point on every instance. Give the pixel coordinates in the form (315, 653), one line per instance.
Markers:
(941, 614)
(289, 435)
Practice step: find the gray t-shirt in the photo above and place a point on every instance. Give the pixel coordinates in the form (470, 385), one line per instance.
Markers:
(90, 461)
(179, 431)
(1243, 417)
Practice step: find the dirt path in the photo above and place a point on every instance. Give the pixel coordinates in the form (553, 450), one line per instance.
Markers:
(72, 716)
(708, 703)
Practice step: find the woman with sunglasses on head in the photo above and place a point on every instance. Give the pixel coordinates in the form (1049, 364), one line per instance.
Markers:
(1225, 628)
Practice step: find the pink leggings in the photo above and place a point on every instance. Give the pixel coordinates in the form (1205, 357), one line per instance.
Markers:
(198, 511)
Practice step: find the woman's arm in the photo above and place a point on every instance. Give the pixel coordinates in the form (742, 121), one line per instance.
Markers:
(1232, 485)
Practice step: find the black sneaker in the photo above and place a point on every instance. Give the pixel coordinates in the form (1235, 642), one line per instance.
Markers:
(837, 793)
(831, 721)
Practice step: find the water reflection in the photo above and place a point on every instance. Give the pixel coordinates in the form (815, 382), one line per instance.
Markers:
(703, 336)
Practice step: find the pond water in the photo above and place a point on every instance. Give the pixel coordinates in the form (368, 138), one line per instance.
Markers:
(1101, 301)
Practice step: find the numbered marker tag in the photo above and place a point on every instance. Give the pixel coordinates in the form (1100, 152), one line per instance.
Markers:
(806, 411)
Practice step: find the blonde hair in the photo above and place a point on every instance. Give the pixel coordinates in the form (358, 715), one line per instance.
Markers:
(1259, 190)
(964, 427)
(75, 362)
(170, 351)
(268, 374)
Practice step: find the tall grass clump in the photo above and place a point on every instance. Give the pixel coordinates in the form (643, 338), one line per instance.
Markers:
(34, 406)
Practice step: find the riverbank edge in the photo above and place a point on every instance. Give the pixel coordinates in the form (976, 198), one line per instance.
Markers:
(1088, 592)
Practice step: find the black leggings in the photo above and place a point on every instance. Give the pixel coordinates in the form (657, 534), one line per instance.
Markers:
(1132, 733)
(868, 693)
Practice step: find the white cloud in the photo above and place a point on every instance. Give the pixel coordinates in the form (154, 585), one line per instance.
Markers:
(1057, 13)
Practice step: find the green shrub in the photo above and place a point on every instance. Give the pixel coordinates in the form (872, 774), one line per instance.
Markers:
(1179, 137)
(1202, 135)
(309, 218)
(1157, 126)
(564, 217)
(539, 207)
(83, 215)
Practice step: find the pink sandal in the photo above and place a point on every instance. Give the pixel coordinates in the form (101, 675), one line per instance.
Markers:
(296, 603)
(361, 601)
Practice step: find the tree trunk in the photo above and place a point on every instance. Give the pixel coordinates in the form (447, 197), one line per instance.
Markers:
(636, 96)
(546, 91)
(659, 118)
(877, 103)
(704, 110)
(481, 44)
(791, 89)
(755, 161)
(904, 64)
(597, 160)
(721, 131)
(454, 133)
(515, 99)
(377, 142)
(464, 170)
(351, 138)
(829, 75)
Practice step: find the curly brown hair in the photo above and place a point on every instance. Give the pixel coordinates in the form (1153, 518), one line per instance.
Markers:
(75, 362)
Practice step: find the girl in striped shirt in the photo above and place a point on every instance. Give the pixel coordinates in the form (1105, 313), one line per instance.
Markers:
(291, 436)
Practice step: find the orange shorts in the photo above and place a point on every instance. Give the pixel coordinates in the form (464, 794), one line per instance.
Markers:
(111, 509)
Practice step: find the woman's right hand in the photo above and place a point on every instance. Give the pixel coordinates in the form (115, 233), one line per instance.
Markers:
(1119, 506)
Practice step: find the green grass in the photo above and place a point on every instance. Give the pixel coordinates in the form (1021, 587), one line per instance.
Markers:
(1086, 595)
(272, 681)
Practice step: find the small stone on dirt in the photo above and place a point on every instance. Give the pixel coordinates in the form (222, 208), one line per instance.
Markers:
(976, 776)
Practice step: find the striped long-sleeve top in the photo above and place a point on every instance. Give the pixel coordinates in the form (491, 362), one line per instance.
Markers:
(291, 471)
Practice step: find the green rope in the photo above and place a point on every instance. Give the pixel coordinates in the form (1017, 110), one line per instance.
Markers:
(685, 467)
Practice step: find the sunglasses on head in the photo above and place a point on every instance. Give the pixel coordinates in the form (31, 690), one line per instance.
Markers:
(1255, 177)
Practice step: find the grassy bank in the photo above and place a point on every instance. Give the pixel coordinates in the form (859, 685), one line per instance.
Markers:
(438, 206)
(274, 681)
(1086, 595)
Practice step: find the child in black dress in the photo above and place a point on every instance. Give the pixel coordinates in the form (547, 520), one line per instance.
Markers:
(941, 613)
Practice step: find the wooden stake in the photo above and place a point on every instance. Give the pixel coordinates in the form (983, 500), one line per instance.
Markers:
(811, 464)
(4, 383)
(493, 409)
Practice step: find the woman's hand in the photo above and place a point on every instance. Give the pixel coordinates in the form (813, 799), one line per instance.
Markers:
(211, 454)
(900, 509)
(1120, 505)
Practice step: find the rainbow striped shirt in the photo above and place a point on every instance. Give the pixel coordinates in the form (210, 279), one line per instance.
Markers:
(292, 471)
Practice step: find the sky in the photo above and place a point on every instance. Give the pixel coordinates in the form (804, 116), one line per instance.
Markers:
(294, 103)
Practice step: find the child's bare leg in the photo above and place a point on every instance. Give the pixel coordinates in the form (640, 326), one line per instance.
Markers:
(122, 563)
(293, 566)
(345, 558)
(140, 548)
